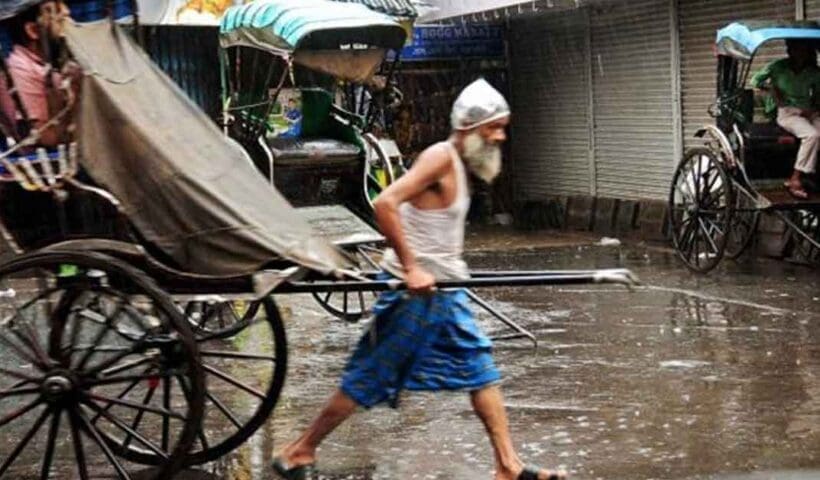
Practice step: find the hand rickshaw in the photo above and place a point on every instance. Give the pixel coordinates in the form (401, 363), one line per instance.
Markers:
(719, 190)
(321, 50)
(100, 370)
(269, 45)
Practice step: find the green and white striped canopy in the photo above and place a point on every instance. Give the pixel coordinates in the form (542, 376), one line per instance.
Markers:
(285, 26)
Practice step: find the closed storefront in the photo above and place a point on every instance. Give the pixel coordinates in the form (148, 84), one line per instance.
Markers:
(633, 98)
(549, 57)
(812, 9)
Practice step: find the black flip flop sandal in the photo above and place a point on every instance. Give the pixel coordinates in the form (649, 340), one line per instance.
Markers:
(530, 472)
(302, 472)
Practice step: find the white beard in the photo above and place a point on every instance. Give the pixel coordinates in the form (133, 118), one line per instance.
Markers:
(483, 159)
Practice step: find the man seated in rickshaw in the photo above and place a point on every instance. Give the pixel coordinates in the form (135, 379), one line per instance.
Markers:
(793, 84)
(36, 36)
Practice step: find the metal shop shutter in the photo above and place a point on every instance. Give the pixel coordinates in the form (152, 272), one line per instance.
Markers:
(812, 9)
(699, 21)
(550, 101)
(634, 100)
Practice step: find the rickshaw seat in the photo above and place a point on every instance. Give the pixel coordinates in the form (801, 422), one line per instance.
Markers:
(312, 151)
(769, 134)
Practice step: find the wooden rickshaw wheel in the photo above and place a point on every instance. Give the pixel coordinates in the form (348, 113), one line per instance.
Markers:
(234, 377)
(700, 209)
(95, 334)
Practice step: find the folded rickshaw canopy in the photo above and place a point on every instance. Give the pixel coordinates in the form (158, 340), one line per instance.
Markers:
(186, 188)
(741, 40)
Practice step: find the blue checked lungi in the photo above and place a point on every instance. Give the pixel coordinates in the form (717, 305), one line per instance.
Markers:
(419, 343)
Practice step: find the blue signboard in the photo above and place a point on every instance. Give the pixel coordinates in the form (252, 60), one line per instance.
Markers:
(464, 41)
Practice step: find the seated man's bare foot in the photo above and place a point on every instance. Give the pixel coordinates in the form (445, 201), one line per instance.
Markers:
(796, 189)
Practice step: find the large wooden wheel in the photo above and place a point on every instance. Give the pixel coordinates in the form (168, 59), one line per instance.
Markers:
(700, 209)
(86, 341)
(244, 378)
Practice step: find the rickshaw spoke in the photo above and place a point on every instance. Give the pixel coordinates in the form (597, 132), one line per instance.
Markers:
(122, 394)
(125, 428)
(200, 429)
(686, 238)
(708, 236)
(16, 392)
(77, 440)
(135, 423)
(714, 226)
(29, 338)
(130, 378)
(20, 412)
(13, 346)
(712, 175)
(99, 319)
(166, 420)
(236, 355)
(48, 456)
(224, 409)
(344, 303)
(19, 375)
(98, 349)
(108, 325)
(687, 196)
(236, 383)
(108, 367)
(24, 441)
(689, 245)
(95, 435)
(695, 245)
(64, 309)
(135, 406)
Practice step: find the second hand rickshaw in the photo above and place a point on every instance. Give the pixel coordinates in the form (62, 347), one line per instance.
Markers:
(719, 190)
(311, 47)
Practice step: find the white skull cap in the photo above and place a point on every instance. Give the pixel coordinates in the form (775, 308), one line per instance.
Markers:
(478, 104)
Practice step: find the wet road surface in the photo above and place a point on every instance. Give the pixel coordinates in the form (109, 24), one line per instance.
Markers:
(688, 377)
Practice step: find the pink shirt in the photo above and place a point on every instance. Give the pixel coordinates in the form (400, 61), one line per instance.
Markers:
(29, 74)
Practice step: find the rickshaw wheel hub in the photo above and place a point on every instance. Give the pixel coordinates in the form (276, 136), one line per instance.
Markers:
(57, 386)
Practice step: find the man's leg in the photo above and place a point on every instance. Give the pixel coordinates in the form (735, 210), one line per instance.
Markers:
(791, 120)
(303, 450)
(488, 404)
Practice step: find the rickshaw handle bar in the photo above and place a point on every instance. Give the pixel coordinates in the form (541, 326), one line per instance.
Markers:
(623, 277)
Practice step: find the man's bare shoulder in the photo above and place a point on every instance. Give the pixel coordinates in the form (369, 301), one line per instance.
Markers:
(435, 157)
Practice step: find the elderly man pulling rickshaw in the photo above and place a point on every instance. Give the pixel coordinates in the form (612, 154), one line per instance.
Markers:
(428, 340)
